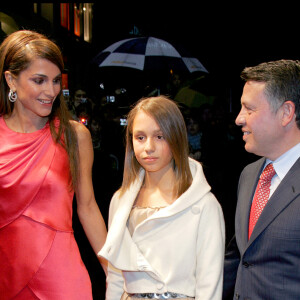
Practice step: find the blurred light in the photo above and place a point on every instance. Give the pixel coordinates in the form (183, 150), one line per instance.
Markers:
(83, 121)
(120, 91)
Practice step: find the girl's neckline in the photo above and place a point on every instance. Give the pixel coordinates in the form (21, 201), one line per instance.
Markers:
(151, 207)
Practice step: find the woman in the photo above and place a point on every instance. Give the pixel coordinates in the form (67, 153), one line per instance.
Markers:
(44, 157)
(166, 229)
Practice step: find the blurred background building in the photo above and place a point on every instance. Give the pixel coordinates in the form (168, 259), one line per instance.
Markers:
(68, 24)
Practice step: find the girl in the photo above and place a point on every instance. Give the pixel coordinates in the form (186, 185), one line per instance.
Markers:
(166, 229)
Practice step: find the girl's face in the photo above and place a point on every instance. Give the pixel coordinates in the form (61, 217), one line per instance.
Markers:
(37, 88)
(150, 147)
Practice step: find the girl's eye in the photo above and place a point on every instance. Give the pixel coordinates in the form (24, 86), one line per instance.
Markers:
(160, 137)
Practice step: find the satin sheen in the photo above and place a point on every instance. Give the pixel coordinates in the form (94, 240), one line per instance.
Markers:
(38, 253)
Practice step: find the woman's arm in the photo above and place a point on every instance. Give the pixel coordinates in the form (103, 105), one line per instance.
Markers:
(88, 211)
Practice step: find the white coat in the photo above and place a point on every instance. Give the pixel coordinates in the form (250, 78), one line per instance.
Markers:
(178, 249)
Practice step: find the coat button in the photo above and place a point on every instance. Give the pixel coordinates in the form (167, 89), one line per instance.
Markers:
(237, 296)
(246, 264)
(160, 285)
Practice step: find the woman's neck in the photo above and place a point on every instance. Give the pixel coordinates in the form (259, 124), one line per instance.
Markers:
(23, 123)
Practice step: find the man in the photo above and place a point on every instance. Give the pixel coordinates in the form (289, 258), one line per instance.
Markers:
(263, 259)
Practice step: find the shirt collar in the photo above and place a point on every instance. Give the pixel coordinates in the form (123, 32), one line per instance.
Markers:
(284, 163)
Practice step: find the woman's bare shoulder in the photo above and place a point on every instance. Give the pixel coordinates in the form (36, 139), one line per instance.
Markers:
(81, 130)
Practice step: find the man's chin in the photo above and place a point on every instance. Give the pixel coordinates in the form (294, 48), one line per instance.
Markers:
(248, 148)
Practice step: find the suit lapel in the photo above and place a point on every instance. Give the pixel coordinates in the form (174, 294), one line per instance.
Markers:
(246, 191)
(285, 193)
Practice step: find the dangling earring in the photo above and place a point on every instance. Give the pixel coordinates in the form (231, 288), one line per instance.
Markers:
(12, 96)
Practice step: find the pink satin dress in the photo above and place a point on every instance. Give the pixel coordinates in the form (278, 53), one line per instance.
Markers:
(39, 257)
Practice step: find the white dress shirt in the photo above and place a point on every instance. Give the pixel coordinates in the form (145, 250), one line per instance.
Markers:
(282, 165)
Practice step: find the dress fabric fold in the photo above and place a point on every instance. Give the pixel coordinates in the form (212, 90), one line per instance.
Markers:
(38, 252)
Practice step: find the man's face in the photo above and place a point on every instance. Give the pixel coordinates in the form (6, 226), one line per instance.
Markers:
(261, 126)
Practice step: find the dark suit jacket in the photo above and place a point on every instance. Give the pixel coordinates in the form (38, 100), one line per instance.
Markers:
(268, 265)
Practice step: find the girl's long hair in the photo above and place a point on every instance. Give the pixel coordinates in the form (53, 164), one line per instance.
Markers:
(171, 122)
(17, 51)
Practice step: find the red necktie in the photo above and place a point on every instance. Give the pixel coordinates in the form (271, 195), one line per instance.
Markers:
(261, 196)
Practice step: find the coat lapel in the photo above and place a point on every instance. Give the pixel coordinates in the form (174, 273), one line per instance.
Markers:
(122, 209)
(120, 248)
(245, 194)
(285, 193)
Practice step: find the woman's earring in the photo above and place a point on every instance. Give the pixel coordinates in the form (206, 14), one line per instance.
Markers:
(12, 96)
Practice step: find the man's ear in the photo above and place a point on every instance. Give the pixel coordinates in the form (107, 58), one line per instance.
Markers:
(9, 80)
(288, 112)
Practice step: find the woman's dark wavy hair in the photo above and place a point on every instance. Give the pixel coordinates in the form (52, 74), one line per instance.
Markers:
(17, 51)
